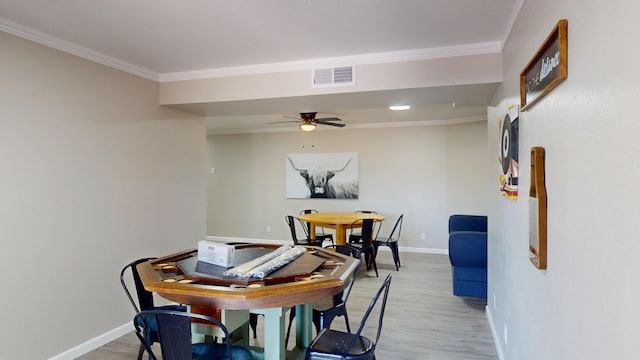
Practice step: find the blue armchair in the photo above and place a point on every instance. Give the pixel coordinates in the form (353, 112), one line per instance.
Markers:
(468, 254)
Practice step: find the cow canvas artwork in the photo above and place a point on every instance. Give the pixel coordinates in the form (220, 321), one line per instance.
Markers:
(323, 176)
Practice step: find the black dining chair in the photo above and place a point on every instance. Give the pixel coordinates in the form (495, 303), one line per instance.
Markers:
(391, 242)
(325, 311)
(320, 234)
(144, 301)
(356, 236)
(367, 227)
(174, 336)
(294, 223)
(334, 344)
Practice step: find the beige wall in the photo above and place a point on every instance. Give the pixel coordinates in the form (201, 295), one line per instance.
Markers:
(585, 305)
(94, 174)
(425, 172)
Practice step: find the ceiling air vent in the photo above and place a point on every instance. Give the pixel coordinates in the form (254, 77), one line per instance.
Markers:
(335, 76)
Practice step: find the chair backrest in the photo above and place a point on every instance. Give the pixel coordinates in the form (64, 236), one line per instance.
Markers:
(368, 228)
(292, 228)
(308, 224)
(291, 222)
(367, 232)
(174, 332)
(459, 222)
(397, 226)
(145, 298)
(348, 250)
(384, 291)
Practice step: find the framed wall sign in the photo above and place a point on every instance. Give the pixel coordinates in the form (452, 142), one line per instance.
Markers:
(546, 69)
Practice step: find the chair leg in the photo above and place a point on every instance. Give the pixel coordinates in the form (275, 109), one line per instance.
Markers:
(143, 348)
(346, 320)
(253, 323)
(375, 267)
(367, 260)
(317, 321)
(140, 352)
(372, 261)
(396, 255)
(292, 316)
(325, 322)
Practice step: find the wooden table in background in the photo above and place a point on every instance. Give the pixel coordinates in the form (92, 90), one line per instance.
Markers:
(272, 296)
(340, 221)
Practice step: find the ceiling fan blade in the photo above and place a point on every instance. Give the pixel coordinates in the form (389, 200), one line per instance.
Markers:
(329, 119)
(283, 122)
(330, 124)
(310, 118)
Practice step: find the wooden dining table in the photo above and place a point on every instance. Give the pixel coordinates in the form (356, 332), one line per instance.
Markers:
(316, 275)
(340, 221)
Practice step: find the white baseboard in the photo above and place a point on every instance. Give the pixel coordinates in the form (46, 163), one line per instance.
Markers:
(94, 343)
(422, 250)
(496, 338)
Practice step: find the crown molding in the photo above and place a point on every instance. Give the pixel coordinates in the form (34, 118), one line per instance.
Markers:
(463, 120)
(511, 21)
(364, 59)
(68, 47)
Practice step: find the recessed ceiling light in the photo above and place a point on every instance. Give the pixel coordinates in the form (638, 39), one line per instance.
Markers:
(399, 107)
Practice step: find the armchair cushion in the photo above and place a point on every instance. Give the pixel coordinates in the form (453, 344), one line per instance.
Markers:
(468, 254)
(467, 223)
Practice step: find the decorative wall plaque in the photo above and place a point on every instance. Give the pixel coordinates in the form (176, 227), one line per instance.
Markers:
(546, 69)
(538, 210)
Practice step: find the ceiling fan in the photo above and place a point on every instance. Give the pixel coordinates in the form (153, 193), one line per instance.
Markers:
(308, 121)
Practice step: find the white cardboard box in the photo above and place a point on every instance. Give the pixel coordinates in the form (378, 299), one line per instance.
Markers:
(216, 253)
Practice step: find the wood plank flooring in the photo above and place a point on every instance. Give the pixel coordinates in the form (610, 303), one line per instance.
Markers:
(423, 320)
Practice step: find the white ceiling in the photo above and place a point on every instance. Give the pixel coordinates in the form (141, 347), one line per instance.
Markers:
(161, 38)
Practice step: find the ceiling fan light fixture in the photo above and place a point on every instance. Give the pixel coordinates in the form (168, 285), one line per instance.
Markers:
(307, 126)
(399, 107)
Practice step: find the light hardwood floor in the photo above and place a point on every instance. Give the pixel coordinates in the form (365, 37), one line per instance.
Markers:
(423, 320)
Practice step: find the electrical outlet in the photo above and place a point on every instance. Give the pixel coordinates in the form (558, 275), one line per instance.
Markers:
(422, 236)
(268, 228)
